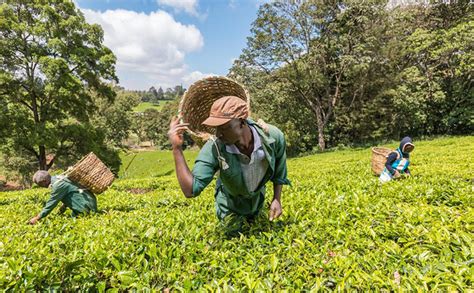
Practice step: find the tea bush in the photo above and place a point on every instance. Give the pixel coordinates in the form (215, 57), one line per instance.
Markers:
(340, 230)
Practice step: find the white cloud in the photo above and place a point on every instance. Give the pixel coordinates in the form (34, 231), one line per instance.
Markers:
(189, 6)
(194, 76)
(150, 48)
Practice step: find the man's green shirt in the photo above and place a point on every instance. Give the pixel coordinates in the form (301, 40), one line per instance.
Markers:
(77, 199)
(232, 194)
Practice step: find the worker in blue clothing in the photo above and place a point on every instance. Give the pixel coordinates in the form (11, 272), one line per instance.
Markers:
(398, 161)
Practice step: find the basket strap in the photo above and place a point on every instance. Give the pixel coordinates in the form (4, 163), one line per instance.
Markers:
(396, 151)
(61, 178)
(65, 173)
(399, 154)
(263, 125)
(222, 162)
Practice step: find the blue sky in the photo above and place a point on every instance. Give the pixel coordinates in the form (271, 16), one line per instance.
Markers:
(170, 42)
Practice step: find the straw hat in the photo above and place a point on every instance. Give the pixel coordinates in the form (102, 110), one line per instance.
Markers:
(196, 103)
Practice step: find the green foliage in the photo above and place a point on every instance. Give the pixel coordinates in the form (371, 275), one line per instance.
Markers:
(340, 230)
(12, 166)
(158, 126)
(314, 51)
(75, 140)
(436, 91)
(80, 139)
(271, 102)
(147, 105)
(154, 96)
(114, 118)
(3, 121)
(152, 125)
(145, 124)
(362, 72)
(53, 67)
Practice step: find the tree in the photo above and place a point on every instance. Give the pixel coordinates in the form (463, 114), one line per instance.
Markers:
(313, 48)
(138, 126)
(434, 90)
(169, 94)
(365, 72)
(161, 93)
(3, 121)
(52, 66)
(152, 125)
(115, 117)
(179, 91)
(144, 96)
(158, 129)
(371, 36)
(153, 94)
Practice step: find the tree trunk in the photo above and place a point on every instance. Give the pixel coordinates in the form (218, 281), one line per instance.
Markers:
(320, 124)
(42, 158)
(51, 162)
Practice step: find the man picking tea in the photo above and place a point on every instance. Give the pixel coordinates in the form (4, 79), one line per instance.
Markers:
(64, 190)
(246, 155)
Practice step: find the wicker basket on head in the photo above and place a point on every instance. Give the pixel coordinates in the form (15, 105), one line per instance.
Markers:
(91, 173)
(379, 157)
(197, 101)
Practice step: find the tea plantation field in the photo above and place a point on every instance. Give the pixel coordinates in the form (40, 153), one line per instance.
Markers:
(146, 105)
(340, 230)
(151, 163)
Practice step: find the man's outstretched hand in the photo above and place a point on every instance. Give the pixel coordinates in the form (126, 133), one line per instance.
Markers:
(175, 133)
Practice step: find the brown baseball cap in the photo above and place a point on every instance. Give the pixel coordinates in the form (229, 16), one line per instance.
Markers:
(225, 109)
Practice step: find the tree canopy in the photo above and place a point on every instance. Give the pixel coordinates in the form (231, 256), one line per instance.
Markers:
(53, 67)
(350, 72)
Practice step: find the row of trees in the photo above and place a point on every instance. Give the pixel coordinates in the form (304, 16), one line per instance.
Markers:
(349, 72)
(154, 95)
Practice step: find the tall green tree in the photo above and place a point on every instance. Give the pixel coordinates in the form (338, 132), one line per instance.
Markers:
(115, 117)
(434, 91)
(153, 125)
(157, 128)
(153, 94)
(371, 37)
(313, 48)
(161, 93)
(53, 64)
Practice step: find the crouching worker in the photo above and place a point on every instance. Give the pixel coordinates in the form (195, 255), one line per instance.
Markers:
(247, 156)
(64, 190)
(398, 161)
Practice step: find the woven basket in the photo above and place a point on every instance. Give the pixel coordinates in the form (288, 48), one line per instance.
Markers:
(196, 103)
(379, 158)
(91, 173)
